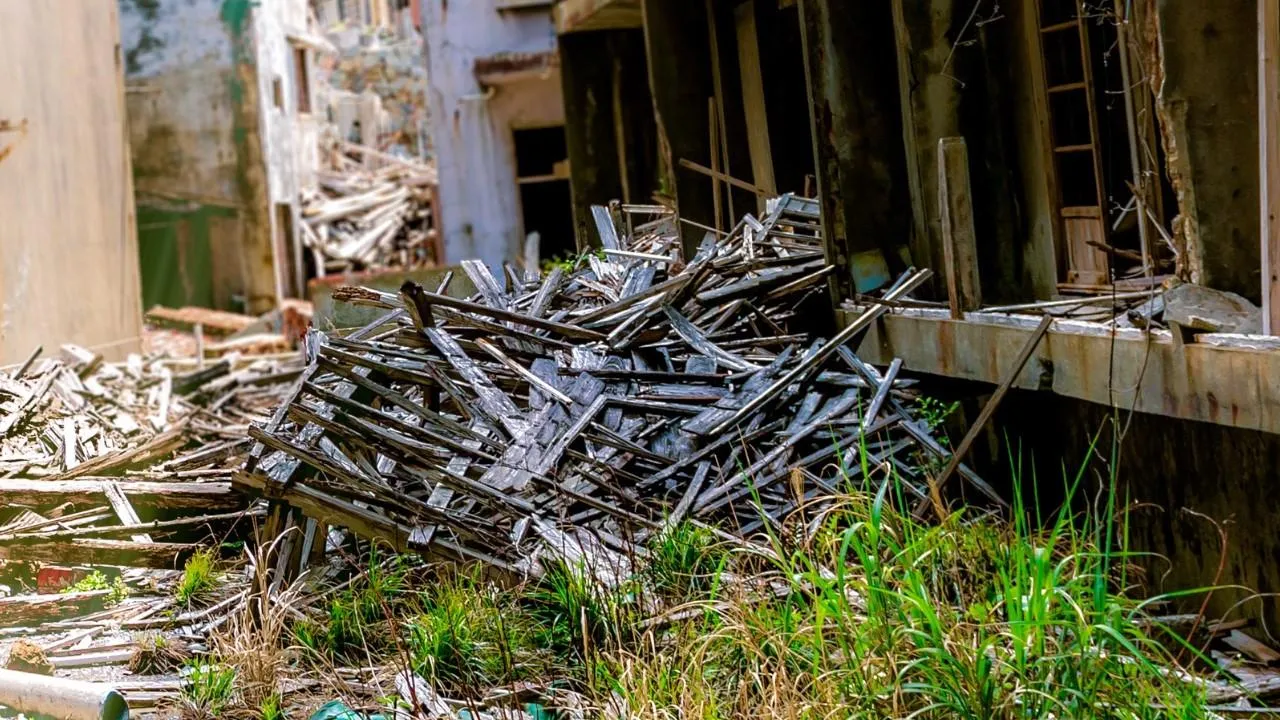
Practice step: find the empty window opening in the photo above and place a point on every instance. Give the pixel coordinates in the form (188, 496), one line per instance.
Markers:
(288, 267)
(277, 92)
(542, 172)
(301, 79)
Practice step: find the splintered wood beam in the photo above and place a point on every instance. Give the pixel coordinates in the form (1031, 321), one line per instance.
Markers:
(959, 239)
(96, 551)
(211, 496)
(36, 609)
(123, 509)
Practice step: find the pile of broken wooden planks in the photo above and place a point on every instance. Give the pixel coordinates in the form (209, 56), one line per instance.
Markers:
(372, 213)
(122, 465)
(586, 410)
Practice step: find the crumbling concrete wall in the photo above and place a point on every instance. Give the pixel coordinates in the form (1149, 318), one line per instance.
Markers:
(374, 59)
(1203, 67)
(179, 66)
(471, 124)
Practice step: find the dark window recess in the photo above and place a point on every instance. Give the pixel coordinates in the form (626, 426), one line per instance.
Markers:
(544, 190)
(288, 267)
(538, 150)
(277, 92)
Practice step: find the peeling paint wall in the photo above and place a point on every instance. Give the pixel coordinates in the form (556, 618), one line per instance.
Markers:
(178, 61)
(471, 126)
(192, 99)
(289, 134)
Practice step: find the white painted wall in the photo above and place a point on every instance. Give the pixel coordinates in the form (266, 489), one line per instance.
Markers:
(472, 130)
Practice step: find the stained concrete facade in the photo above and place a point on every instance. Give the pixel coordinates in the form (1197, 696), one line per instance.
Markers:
(218, 144)
(491, 72)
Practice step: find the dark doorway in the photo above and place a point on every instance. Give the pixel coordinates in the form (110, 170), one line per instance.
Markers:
(542, 171)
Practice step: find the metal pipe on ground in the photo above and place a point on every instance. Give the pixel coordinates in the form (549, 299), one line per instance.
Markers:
(61, 698)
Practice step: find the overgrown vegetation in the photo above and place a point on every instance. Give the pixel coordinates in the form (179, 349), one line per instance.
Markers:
(571, 262)
(354, 620)
(865, 612)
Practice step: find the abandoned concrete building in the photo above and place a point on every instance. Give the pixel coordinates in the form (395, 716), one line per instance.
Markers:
(223, 136)
(497, 122)
(1111, 147)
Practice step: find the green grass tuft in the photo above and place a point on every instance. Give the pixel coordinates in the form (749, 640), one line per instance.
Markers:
(685, 561)
(468, 636)
(209, 688)
(96, 580)
(271, 708)
(199, 578)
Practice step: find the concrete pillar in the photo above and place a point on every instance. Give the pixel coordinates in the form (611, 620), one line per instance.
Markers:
(1207, 103)
(676, 39)
(861, 161)
(609, 125)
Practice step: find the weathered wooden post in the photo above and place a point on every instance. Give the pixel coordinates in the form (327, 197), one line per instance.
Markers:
(959, 240)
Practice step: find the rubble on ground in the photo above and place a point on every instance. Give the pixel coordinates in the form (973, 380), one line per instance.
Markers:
(111, 476)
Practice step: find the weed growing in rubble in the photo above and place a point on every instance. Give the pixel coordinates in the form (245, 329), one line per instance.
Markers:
(684, 561)
(96, 580)
(934, 412)
(199, 579)
(852, 609)
(271, 708)
(354, 618)
(471, 636)
(574, 614)
(208, 690)
(880, 615)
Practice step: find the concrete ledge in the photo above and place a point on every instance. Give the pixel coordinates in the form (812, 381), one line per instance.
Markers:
(581, 15)
(329, 314)
(1231, 380)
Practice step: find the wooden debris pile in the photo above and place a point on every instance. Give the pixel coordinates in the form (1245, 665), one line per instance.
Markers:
(120, 472)
(100, 461)
(374, 213)
(584, 411)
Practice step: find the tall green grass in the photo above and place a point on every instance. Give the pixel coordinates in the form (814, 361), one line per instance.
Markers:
(879, 615)
(864, 612)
